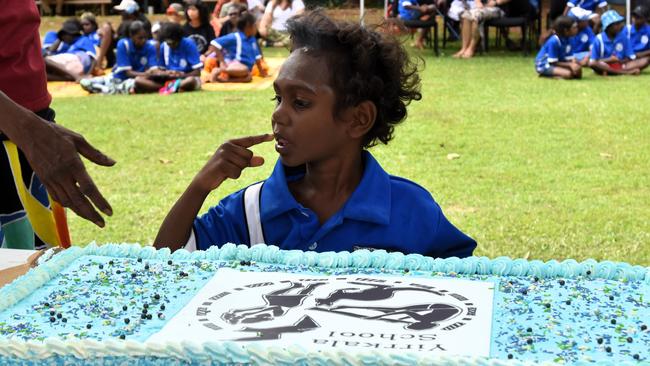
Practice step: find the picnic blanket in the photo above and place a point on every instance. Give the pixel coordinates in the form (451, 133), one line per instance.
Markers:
(68, 89)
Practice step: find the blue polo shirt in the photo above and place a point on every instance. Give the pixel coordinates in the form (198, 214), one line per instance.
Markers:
(581, 41)
(131, 58)
(94, 38)
(84, 48)
(384, 212)
(587, 4)
(639, 38)
(603, 47)
(49, 39)
(408, 14)
(555, 49)
(236, 46)
(185, 57)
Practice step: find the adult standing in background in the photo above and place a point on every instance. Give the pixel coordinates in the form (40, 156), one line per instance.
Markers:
(37, 157)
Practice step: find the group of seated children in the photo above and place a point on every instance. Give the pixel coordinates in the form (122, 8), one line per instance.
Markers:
(617, 50)
(165, 58)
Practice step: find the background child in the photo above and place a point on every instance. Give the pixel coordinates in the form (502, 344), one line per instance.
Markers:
(175, 13)
(237, 53)
(135, 56)
(581, 42)
(76, 60)
(198, 27)
(639, 32)
(611, 52)
(555, 59)
(593, 8)
(327, 192)
(180, 64)
(412, 10)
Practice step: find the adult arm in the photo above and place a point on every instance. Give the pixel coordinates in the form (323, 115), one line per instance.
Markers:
(53, 153)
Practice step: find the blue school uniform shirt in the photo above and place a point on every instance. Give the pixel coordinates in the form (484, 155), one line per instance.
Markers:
(131, 58)
(555, 49)
(583, 40)
(85, 50)
(237, 46)
(384, 212)
(603, 47)
(408, 14)
(94, 38)
(185, 57)
(587, 4)
(639, 38)
(50, 38)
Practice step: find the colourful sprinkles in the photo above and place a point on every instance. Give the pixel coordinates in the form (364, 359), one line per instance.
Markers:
(565, 320)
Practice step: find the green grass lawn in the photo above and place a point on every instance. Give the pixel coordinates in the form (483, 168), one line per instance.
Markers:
(548, 169)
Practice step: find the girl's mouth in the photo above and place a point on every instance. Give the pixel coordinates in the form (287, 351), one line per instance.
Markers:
(280, 143)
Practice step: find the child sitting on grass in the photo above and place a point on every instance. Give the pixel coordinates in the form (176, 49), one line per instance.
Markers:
(135, 57)
(179, 64)
(581, 42)
(342, 90)
(237, 53)
(75, 60)
(555, 59)
(611, 52)
(639, 32)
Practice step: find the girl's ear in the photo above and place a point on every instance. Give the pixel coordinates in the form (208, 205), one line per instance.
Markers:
(363, 118)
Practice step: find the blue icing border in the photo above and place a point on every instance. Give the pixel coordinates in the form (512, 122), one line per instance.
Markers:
(378, 262)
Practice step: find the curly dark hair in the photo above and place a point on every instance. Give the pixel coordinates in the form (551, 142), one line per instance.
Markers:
(370, 66)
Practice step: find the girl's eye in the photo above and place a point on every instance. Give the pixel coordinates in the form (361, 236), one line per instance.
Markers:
(301, 103)
(277, 99)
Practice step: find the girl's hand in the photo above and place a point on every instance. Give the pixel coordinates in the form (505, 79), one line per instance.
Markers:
(229, 160)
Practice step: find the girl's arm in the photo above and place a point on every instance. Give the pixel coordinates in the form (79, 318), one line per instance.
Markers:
(227, 162)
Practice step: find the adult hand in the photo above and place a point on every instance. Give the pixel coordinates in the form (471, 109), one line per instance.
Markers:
(53, 152)
(229, 161)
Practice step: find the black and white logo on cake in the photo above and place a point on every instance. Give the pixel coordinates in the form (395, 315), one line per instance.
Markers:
(368, 311)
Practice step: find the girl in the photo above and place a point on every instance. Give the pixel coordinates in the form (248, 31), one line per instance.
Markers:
(198, 27)
(237, 53)
(555, 59)
(327, 192)
(77, 60)
(135, 57)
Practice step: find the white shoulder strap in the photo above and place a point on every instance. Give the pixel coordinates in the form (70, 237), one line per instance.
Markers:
(602, 45)
(252, 211)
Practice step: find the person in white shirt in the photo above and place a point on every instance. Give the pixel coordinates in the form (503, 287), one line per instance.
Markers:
(273, 26)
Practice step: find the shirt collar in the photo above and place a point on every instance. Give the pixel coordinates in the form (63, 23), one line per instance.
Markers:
(370, 201)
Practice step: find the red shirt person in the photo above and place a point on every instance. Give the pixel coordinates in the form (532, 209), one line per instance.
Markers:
(44, 155)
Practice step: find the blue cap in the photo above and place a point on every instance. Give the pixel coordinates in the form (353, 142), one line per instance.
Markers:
(610, 17)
